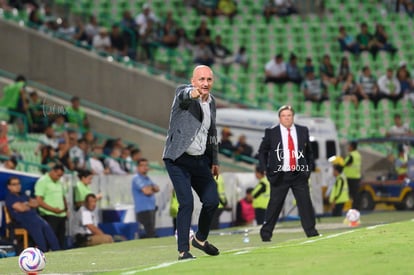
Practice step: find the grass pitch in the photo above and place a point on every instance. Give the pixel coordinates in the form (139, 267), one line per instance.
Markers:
(382, 244)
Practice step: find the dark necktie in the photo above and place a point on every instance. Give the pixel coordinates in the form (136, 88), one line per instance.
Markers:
(291, 147)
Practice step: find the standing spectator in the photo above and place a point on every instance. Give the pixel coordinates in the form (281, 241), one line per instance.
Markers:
(368, 85)
(62, 154)
(14, 97)
(86, 230)
(215, 223)
(92, 28)
(226, 145)
(51, 198)
(83, 188)
(22, 209)
(143, 191)
(347, 41)
(339, 194)
(314, 89)
(48, 158)
(77, 116)
(282, 172)
(203, 54)
(292, 70)
(125, 160)
(275, 70)
(366, 41)
(190, 156)
(352, 171)
(245, 212)
(174, 210)
(261, 196)
(242, 147)
(101, 41)
(222, 55)
(401, 163)
(118, 42)
(130, 32)
(389, 86)
(327, 71)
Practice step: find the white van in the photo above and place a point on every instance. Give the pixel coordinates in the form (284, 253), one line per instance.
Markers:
(252, 123)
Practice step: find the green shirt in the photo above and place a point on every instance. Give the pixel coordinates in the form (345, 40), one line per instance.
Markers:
(52, 194)
(81, 191)
(76, 117)
(339, 193)
(11, 95)
(352, 169)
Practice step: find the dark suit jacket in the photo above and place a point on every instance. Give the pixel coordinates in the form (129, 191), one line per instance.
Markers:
(271, 158)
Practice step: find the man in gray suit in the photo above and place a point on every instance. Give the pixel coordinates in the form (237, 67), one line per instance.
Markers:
(190, 157)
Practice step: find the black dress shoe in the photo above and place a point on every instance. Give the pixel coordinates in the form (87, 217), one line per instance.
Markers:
(207, 248)
(266, 239)
(314, 234)
(186, 256)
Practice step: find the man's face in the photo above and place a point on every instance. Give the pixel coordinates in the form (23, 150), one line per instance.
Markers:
(90, 204)
(203, 79)
(55, 175)
(14, 186)
(286, 118)
(87, 179)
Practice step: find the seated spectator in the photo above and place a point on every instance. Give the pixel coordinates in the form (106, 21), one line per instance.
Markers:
(227, 8)
(292, 70)
(22, 210)
(90, 138)
(125, 160)
(403, 76)
(112, 162)
(95, 162)
(399, 129)
(34, 19)
(65, 30)
(60, 126)
(279, 8)
(80, 34)
(222, 55)
(62, 154)
(48, 138)
(243, 148)
(82, 188)
(381, 38)
(78, 154)
(202, 54)
(169, 37)
(368, 85)
(207, 7)
(347, 42)
(327, 71)
(20, 4)
(366, 41)
(241, 57)
(309, 67)
(344, 69)
(275, 70)
(76, 115)
(144, 17)
(314, 89)
(86, 230)
(349, 90)
(130, 32)
(183, 42)
(404, 6)
(226, 145)
(149, 40)
(118, 42)
(245, 214)
(389, 86)
(101, 42)
(202, 33)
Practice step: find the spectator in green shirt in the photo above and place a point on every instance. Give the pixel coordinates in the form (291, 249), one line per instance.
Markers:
(50, 196)
(77, 116)
(83, 188)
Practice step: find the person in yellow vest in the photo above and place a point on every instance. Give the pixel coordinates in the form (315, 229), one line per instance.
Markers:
(352, 171)
(77, 116)
(261, 196)
(339, 194)
(215, 223)
(174, 209)
(400, 163)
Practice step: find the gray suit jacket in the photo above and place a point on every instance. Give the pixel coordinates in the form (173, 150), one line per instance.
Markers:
(185, 121)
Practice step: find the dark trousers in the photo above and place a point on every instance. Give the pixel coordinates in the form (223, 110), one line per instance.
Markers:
(337, 211)
(147, 219)
(43, 235)
(58, 225)
(260, 215)
(298, 182)
(189, 172)
(353, 185)
(215, 222)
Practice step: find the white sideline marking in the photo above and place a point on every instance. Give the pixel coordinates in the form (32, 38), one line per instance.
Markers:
(375, 226)
(151, 268)
(241, 252)
(327, 237)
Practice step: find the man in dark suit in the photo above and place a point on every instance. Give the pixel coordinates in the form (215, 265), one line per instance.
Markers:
(286, 155)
